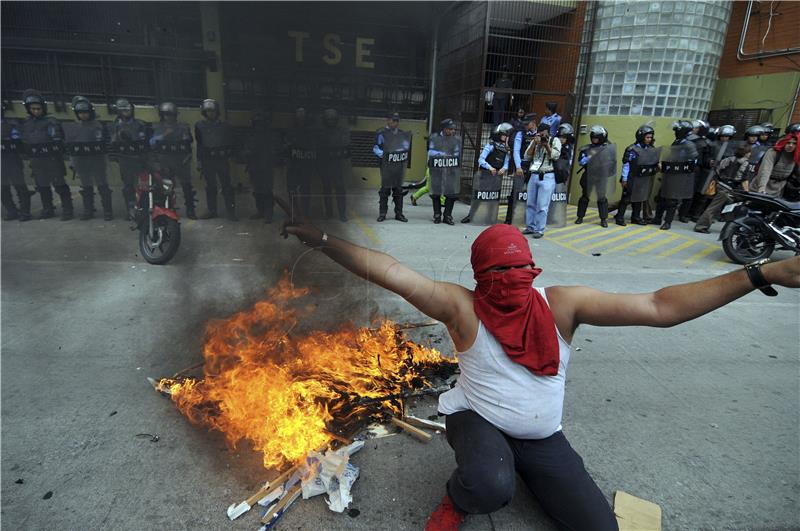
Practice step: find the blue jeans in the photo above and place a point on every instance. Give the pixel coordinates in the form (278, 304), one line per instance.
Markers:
(539, 195)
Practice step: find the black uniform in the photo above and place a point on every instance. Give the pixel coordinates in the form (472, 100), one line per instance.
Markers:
(639, 167)
(12, 173)
(171, 144)
(215, 146)
(43, 142)
(260, 155)
(302, 152)
(130, 139)
(333, 161)
(393, 146)
(692, 208)
(86, 144)
(678, 163)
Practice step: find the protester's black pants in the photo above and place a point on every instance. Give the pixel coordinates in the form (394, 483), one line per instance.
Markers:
(488, 461)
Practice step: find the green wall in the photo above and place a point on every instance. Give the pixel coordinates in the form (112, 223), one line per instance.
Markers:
(773, 91)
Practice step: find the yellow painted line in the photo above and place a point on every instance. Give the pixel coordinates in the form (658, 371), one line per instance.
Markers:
(700, 254)
(605, 232)
(678, 248)
(625, 234)
(649, 236)
(567, 246)
(569, 227)
(366, 230)
(659, 243)
(593, 228)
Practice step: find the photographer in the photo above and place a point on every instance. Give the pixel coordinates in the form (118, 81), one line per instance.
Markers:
(542, 151)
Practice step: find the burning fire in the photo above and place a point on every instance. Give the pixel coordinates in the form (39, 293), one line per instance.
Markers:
(286, 393)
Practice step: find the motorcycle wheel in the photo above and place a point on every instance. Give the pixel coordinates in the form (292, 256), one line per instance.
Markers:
(748, 244)
(167, 240)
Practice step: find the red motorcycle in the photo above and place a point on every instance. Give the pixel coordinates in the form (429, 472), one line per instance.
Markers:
(156, 219)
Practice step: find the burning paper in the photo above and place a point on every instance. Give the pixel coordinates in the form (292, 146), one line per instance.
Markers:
(285, 393)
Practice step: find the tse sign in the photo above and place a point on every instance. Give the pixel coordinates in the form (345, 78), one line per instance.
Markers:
(332, 46)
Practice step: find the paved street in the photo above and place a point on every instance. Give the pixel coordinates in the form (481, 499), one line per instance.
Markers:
(701, 418)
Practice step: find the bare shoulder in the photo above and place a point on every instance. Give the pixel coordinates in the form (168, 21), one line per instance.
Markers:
(464, 327)
(564, 302)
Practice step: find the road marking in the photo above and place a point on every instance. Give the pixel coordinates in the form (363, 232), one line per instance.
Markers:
(678, 248)
(650, 235)
(622, 236)
(579, 232)
(604, 232)
(653, 245)
(700, 254)
(366, 229)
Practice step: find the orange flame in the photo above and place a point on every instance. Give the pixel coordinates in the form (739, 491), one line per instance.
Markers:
(282, 392)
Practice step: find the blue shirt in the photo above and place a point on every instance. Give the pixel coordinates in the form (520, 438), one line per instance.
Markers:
(630, 156)
(518, 146)
(487, 149)
(436, 153)
(554, 120)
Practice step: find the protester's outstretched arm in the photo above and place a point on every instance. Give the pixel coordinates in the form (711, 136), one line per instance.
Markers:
(668, 306)
(438, 300)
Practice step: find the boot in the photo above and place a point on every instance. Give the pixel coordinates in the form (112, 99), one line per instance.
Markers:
(8, 202)
(211, 202)
(47, 202)
(129, 199)
(24, 196)
(189, 200)
(668, 217)
(636, 214)
(383, 203)
(619, 219)
(65, 194)
(583, 204)
(437, 209)
(397, 197)
(259, 201)
(602, 209)
(105, 200)
(88, 202)
(683, 210)
(659, 213)
(230, 206)
(448, 210)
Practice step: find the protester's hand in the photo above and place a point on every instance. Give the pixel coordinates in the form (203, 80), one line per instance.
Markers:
(502, 171)
(519, 172)
(494, 171)
(307, 233)
(783, 273)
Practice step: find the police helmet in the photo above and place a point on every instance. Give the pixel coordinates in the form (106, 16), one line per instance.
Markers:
(702, 127)
(566, 130)
(792, 128)
(209, 104)
(754, 130)
(644, 131)
(768, 127)
(682, 128)
(598, 131)
(504, 128)
(31, 96)
(448, 123)
(82, 104)
(123, 105)
(713, 133)
(394, 116)
(167, 108)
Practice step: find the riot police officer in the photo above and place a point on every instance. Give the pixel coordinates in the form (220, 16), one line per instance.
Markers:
(43, 142)
(215, 146)
(260, 157)
(171, 145)
(444, 161)
(301, 146)
(11, 172)
(333, 160)
(130, 139)
(86, 143)
(639, 167)
(767, 137)
(692, 208)
(492, 167)
(392, 147)
(521, 167)
(599, 162)
(757, 150)
(678, 164)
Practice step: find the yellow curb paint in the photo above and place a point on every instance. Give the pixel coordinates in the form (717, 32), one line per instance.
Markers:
(368, 232)
(659, 243)
(595, 228)
(649, 236)
(625, 234)
(678, 248)
(700, 254)
(605, 232)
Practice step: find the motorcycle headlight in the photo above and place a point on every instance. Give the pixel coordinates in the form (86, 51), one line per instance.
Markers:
(167, 184)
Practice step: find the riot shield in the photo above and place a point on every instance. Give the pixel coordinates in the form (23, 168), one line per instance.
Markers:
(446, 169)
(756, 154)
(396, 153)
(677, 170)
(518, 201)
(601, 169)
(642, 174)
(485, 198)
(557, 213)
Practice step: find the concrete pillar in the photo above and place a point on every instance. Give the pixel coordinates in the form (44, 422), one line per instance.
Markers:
(212, 44)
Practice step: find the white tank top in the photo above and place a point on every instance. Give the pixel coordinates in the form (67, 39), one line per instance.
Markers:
(507, 394)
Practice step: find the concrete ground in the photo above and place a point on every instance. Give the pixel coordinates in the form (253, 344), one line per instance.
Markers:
(701, 419)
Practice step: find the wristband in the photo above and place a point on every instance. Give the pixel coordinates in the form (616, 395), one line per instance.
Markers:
(757, 277)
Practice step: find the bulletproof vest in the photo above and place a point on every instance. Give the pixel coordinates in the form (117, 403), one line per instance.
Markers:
(527, 138)
(42, 137)
(451, 146)
(214, 138)
(646, 162)
(333, 143)
(172, 138)
(12, 144)
(301, 145)
(756, 155)
(396, 144)
(129, 136)
(566, 152)
(84, 139)
(497, 157)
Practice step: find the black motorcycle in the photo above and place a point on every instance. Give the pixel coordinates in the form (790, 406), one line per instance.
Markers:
(757, 224)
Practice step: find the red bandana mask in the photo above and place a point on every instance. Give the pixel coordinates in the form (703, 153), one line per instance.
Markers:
(506, 303)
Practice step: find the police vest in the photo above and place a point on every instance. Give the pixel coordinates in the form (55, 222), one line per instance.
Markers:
(497, 157)
(129, 137)
(171, 139)
(41, 137)
(85, 139)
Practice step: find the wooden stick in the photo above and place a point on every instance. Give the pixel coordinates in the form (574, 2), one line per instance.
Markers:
(284, 502)
(423, 423)
(416, 432)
